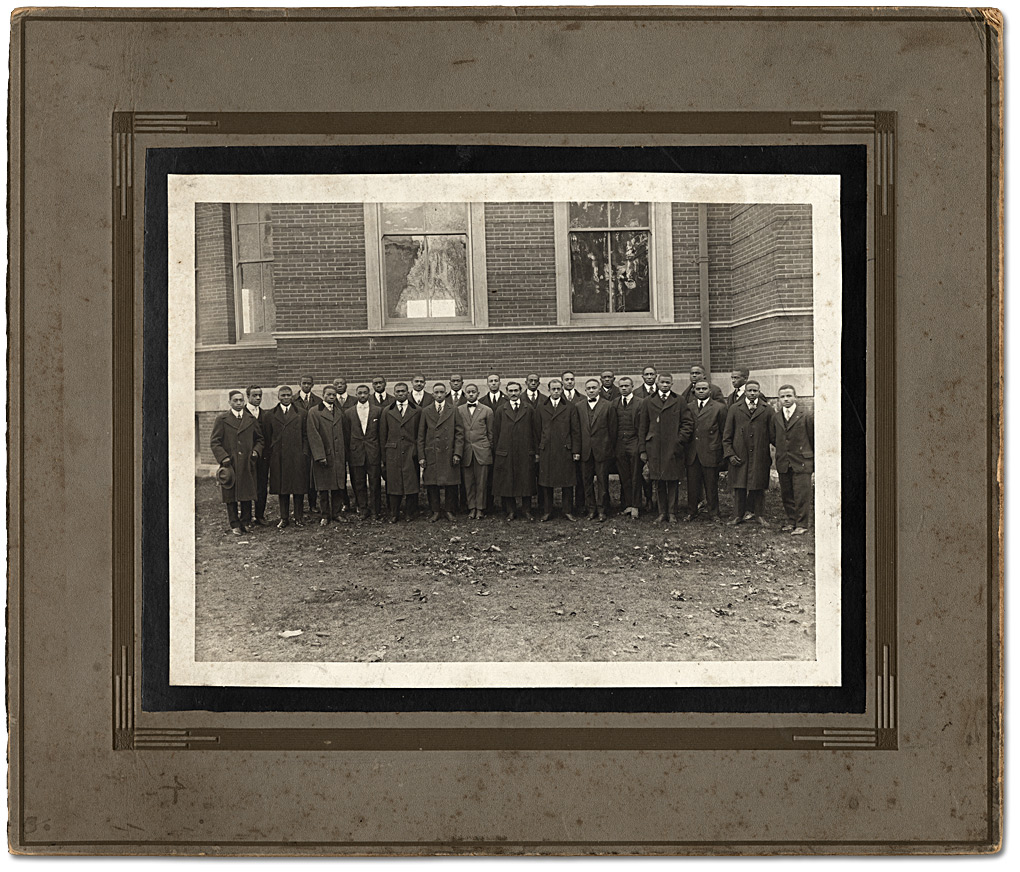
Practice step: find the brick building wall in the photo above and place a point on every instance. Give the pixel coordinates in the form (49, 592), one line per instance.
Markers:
(520, 260)
(214, 281)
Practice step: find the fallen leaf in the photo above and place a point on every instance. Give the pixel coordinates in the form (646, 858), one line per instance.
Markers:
(287, 634)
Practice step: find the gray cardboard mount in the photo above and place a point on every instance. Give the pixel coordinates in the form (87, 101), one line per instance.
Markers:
(91, 773)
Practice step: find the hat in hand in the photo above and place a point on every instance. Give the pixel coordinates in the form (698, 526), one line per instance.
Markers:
(225, 476)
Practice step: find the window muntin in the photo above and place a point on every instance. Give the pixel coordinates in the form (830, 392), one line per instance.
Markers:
(609, 246)
(255, 303)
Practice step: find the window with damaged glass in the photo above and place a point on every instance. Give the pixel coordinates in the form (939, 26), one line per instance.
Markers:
(255, 306)
(425, 261)
(609, 257)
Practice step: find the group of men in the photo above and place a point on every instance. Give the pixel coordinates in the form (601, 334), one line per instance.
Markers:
(469, 449)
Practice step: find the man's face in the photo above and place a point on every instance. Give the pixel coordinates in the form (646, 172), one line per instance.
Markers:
(752, 391)
(471, 393)
(341, 385)
(556, 390)
(456, 383)
(329, 394)
(701, 389)
(697, 374)
(532, 382)
(626, 386)
(255, 398)
(591, 389)
(439, 392)
(418, 383)
(307, 384)
(514, 391)
(400, 393)
(493, 382)
(607, 379)
(787, 397)
(363, 394)
(285, 395)
(649, 376)
(379, 385)
(568, 381)
(237, 402)
(665, 382)
(738, 379)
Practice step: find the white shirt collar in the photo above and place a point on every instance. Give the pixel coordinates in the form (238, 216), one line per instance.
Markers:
(788, 413)
(253, 409)
(237, 414)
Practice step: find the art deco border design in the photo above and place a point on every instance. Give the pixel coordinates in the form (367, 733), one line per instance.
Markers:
(127, 126)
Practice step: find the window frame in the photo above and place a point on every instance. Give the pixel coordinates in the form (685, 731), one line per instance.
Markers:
(478, 300)
(240, 337)
(660, 273)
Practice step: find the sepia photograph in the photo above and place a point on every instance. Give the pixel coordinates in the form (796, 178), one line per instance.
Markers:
(505, 430)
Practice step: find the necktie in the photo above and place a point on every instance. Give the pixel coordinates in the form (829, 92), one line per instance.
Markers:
(440, 408)
(701, 404)
(664, 396)
(752, 407)
(402, 407)
(514, 405)
(625, 401)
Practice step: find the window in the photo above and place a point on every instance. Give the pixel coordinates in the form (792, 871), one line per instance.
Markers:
(609, 257)
(428, 261)
(614, 263)
(255, 307)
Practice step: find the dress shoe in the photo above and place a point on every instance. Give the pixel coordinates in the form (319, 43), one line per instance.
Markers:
(602, 516)
(527, 515)
(236, 531)
(282, 524)
(748, 516)
(259, 522)
(545, 517)
(479, 514)
(569, 516)
(590, 515)
(434, 518)
(450, 516)
(299, 522)
(689, 517)
(732, 522)
(660, 519)
(763, 522)
(798, 531)
(633, 512)
(393, 519)
(510, 516)
(786, 528)
(324, 522)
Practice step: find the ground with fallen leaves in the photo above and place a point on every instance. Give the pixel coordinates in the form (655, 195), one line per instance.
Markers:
(495, 590)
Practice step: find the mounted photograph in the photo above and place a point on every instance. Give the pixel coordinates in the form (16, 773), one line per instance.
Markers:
(505, 430)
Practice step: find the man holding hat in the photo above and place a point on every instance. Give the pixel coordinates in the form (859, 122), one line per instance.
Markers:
(237, 444)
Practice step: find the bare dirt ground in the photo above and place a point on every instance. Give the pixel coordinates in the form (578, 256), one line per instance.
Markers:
(495, 590)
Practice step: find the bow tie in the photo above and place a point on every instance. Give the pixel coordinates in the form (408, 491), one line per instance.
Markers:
(472, 405)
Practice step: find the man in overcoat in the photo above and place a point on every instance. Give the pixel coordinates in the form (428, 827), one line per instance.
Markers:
(237, 444)
(697, 374)
(598, 447)
(750, 429)
(705, 450)
(795, 459)
(398, 436)
(306, 399)
(627, 448)
(532, 395)
(419, 397)
(327, 443)
(345, 399)
(494, 397)
(287, 452)
(515, 451)
(738, 378)
(380, 396)
(608, 389)
(649, 379)
(457, 390)
(363, 455)
(440, 448)
(253, 407)
(476, 461)
(665, 426)
(559, 450)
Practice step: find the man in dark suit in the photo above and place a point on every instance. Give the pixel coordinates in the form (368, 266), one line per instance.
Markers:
(559, 450)
(419, 397)
(795, 459)
(515, 450)
(665, 426)
(608, 390)
(532, 395)
(576, 397)
(598, 442)
(627, 450)
(440, 448)
(237, 443)
(254, 408)
(306, 399)
(287, 452)
(705, 450)
(697, 374)
(398, 436)
(327, 443)
(493, 398)
(570, 394)
(363, 454)
(739, 378)
(750, 429)
(379, 396)
(457, 389)
(647, 387)
(476, 462)
(343, 398)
